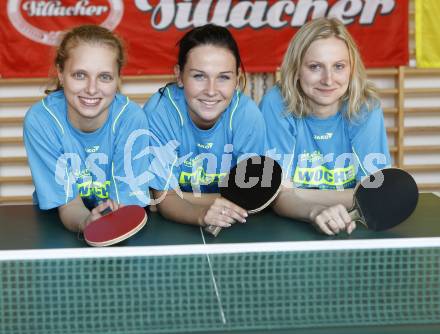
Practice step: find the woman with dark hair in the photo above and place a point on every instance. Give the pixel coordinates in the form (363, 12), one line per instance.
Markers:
(80, 138)
(201, 126)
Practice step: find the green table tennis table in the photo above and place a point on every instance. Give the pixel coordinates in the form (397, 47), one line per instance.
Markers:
(269, 275)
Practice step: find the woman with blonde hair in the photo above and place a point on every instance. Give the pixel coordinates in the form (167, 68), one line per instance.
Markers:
(330, 127)
(82, 138)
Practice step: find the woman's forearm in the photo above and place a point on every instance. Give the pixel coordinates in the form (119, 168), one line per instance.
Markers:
(73, 215)
(182, 210)
(203, 199)
(301, 203)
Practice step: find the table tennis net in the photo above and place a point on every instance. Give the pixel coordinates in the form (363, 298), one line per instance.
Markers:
(174, 294)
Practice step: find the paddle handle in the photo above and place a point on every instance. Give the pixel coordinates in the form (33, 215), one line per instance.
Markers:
(107, 210)
(214, 230)
(355, 216)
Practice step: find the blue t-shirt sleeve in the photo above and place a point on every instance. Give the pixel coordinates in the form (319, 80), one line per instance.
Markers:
(281, 129)
(43, 142)
(130, 157)
(164, 126)
(369, 142)
(248, 129)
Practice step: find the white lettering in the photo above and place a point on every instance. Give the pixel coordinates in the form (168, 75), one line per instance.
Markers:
(163, 15)
(92, 162)
(240, 175)
(303, 9)
(220, 14)
(188, 16)
(56, 8)
(68, 164)
(370, 11)
(373, 160)
(275, 13)
(143, 5)
(200, 16)
(259, 14)
(346, 10)
(246, 13)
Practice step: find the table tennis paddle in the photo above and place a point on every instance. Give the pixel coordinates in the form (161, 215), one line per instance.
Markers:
(115, 226)
(381, 206)
(252, 184)
(106, 211)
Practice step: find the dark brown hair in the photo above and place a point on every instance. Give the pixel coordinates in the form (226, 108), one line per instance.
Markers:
(210, 34)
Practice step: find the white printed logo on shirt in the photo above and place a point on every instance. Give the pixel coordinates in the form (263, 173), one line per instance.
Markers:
(325, 136)
(206, 146)
(92, 149)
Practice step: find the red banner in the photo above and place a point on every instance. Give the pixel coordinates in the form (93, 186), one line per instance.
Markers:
(151, 28)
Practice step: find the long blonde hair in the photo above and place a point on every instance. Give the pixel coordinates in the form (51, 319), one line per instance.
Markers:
(360, 91)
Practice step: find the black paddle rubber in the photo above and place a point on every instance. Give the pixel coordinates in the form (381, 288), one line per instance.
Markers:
(252, 183)
(389, 204)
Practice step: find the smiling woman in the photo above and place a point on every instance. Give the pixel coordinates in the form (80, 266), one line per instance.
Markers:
(329, 126)
(76, 136)
(207, 90)
(324, 75)
(201, 125)
(90, 80)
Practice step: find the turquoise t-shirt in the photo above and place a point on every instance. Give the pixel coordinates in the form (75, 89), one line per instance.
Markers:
(325, 153)
(106, 163)
(194, 159)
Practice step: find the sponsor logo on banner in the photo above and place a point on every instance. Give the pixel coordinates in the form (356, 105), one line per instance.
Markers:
(153, 27)
(23, 13)
(259, 14)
